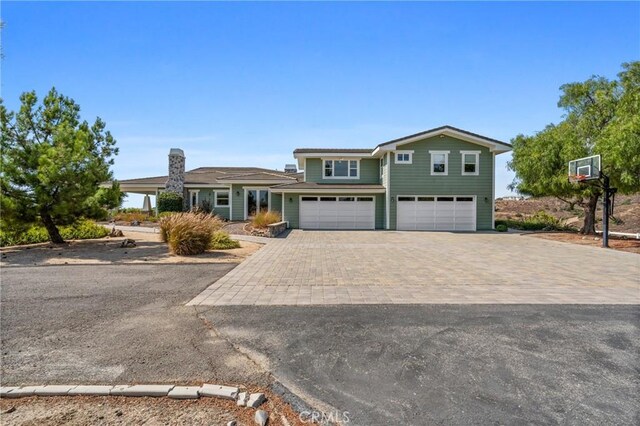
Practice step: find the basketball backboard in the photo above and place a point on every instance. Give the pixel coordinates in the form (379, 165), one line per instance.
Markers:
(584, 169)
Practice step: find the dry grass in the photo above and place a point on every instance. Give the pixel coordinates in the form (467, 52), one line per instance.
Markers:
(130, 217)
(264, 218)
(189, 233)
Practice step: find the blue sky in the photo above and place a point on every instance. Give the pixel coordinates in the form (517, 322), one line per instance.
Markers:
(246, 83)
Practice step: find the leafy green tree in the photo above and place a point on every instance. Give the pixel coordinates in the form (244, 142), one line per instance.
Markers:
(602, 117)
(52, 162)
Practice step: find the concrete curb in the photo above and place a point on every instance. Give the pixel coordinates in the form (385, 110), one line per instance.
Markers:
(146, 390)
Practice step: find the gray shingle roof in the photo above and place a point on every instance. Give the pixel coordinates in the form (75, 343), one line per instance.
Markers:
(213, 175)
(337, 150)
(443, 128)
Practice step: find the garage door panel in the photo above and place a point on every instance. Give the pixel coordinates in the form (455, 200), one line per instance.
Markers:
(441, 213)
(345, 212)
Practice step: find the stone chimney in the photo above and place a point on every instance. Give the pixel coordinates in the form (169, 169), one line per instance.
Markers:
(175, 183)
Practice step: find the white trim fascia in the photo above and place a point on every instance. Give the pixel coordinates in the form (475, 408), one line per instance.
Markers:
(215, 199)
(231, 203)
(282, 208)
(477, 154)
(493, 147)
(493, 194)
(207, 185)
(446, 162)
(388, 193)
(357, 177)
(333, 191)
(304, 169)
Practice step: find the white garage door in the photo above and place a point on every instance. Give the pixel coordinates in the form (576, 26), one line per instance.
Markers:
(349, 212)
(437, 213)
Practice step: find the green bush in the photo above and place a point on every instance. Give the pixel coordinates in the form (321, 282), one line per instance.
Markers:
(221, 241)
(541, 221)
(189, 233)
(502, 228)
(82, 230)
(169, 202)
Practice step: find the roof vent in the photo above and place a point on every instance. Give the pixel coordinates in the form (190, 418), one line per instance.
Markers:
(290, 168)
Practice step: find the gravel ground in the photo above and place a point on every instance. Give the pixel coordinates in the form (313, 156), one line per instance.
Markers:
(148, 411)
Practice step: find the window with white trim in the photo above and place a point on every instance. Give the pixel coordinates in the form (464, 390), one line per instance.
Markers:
(346, 169)
(222, 199)
(470, 163)
(439, 163)
(404, 157)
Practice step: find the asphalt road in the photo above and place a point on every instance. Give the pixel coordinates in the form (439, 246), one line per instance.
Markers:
(451, 364)
(113, 324)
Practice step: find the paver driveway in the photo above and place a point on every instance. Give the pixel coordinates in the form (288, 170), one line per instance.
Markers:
(360, 267)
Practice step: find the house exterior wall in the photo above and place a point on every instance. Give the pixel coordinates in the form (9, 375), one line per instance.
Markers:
(416, 178)
(276, 202)
(369, 172)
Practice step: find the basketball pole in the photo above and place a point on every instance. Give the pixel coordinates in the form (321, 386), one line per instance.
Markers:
(606, 209)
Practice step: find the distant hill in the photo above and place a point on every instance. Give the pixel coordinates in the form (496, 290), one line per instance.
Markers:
(626, 211)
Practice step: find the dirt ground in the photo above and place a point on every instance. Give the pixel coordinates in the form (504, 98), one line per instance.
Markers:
(632, 246)
(149, 411)
(626, 212)
(149, 249)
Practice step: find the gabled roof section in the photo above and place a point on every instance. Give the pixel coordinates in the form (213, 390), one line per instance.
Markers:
(493, 144)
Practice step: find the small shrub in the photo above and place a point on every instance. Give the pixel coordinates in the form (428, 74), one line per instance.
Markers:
(502, 228)
(130, 216)
(222, 241)
(84, 229)
(188, 233)
(541, 221)
(264, 218)
(169, 202)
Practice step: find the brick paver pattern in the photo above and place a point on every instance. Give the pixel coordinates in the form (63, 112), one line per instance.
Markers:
(386, 267)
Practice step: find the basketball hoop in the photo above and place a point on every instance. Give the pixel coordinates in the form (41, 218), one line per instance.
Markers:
(578, 178)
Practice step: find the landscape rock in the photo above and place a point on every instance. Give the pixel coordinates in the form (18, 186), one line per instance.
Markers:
(4, 390)
(53, 390)
(115, 232)
(218, 391)
(128, 242)
(261, 417)
(147, 390)
(184, 392)
(242, 399)
(23, 391)
(118, 390)
(97, 390)
(255, 400)
(232, 423)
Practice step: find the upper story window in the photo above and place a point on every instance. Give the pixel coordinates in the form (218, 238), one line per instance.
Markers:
(404, 157)
(470, 163)
(439, 163)
(345, 169)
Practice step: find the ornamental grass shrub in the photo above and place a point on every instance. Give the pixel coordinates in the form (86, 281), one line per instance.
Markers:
(264, 218)
(189, 233)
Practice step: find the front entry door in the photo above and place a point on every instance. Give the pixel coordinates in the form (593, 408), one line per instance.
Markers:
(257, 201)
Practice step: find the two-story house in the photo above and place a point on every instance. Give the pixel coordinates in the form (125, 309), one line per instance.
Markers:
(440, 179)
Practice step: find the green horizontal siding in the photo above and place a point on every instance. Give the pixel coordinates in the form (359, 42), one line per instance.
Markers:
(416, 179)
(369, 172)
(276, 202)
(206, 197)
